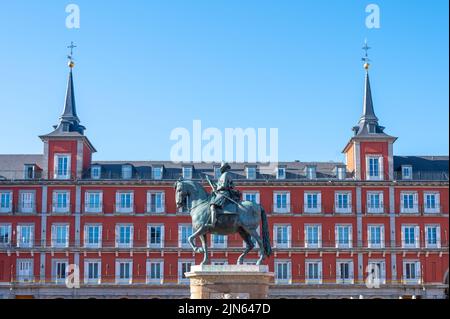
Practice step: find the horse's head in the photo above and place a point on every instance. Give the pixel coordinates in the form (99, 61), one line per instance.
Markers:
(188, 189)
(181, 192)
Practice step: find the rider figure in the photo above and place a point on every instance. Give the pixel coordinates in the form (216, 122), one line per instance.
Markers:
(223, 192)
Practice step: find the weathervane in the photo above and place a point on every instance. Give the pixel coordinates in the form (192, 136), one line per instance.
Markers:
(70, 56)
(366, 56)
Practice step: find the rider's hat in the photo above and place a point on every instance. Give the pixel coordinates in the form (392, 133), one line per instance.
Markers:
(224, 167)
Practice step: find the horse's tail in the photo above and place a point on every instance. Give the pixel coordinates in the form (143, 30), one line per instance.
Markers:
(265, 233)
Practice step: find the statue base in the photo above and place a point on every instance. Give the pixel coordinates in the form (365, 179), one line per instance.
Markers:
(229, 281)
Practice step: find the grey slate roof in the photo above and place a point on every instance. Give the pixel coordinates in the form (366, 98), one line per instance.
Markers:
(424, 167)
(12, 166)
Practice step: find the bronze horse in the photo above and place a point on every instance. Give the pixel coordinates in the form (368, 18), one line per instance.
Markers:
(245, 221)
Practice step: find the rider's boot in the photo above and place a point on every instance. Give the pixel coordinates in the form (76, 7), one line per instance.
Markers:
(213, 216)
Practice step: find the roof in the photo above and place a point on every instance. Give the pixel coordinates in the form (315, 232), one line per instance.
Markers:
(423, 167)
(12, 166)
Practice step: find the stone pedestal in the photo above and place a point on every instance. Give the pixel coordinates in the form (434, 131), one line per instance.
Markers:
(229, 281)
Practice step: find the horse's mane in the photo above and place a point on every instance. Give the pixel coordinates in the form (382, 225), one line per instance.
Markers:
(199, 187)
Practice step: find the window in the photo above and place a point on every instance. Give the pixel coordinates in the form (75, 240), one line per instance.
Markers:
(344, 272)
(217, 172)
(375, 236)
(376, 269)
(62, 166)
(410, 236)
(310, 172)
(28, 171)
(157, 172)
(184, 231)
(218, 241)
(124, 236)
(93, 202)
(409, 202)
(184, 266)
(341, 172)
(124, 202)
(282, 236)
(6, 202)
(61, 202)
(411, 272)
(96, 172)
(372, 128)
(124, 271)
(343, 202)
(313, 272)
(155, 202)
(60, 270)
(60, 235)
(283, 273)
(92, 271)
(5, 234)
(26, 202)
(93, 236)
(374, 168)
(432, 202)
(251, 172)
(343, 235)
(407, 172)
(187, 172)
(251, 197)
(25, 236)
(155, 234)
(282, 202)
(432, 236)
(281, 173)
(313, 202)
(375, 202)
(155, 271)
(313, 236)
(127, 171)
(24, 268)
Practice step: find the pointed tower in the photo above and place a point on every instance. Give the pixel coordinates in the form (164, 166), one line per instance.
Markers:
(369, 153)
(67, 152)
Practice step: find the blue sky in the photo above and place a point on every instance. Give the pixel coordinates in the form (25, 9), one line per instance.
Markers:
(147, 67)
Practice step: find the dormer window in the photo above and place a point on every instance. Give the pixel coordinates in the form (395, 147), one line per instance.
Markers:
(28, 171)
(96, 171)
(217, 172)
(372, 128)
(251, 172)
(126, 171)
(340, 172)
(310, 172)
(406, 172)
(157, 172)
(187, 172)
(62, 166)
(281, 173)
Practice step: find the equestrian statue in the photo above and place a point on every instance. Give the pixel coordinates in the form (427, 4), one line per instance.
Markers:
(223, 213)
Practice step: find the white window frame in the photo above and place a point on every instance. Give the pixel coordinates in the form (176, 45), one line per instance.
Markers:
(124, 281)
(92, 281)
(57, 208)
(341, 172)
(428, 227)
(180, 237)
(311, 172)
(313, 281)
(181, 280)
(8, 228)
(29, 242)
(343, 210)
(123, 209)
(416, 236)
(87, 202)
(372, 265)
(217, 172)
(409, 210)
(155, 245)
(150, 204)
(131, 239)
(282, 210)
(25, 171)
(417, 273)
(319, 236)
(313, 210)
(55, 244)
(25, 275)
(55, 262)
(149, 263)
(407, 168)
(218, 244)
(155, 175)
(437, 203)
(251, 194)
(96, 171)
(251, 172)
(187, 172)
(369, 236)
(27, 201)
(127, 171)
(288, 264)
(87, 244)
(6, 201)
(351, 271)
(288, 228)
(349, 243)
(370, 208)
(378, 177)
(57, 171)
(283, 170)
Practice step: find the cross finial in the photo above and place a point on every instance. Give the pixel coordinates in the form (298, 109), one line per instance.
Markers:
(366, 59)
(71, 47)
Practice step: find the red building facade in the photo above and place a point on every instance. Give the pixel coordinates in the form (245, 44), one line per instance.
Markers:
(375, 226)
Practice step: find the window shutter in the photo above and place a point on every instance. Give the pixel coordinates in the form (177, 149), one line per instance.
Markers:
(68, 202)
(117, 201)
(320, 237)
(67, 235)
(32, 236)
(350, 235)
(381, 162)
(403, 236)
(149, 202)
(288, 202)
(336, 236)
(131, 236)
(55, 166)
(162, 236)
(275, 237)
(86, 200)
(336, 201)
(305, 238)
(319, 202)
(438, 236)
(101, 201)
(369, 237)
(438, 202)
(382, 236)
(53, 235)
(275, 201)
(367, 172)
(132, 201)
(402, 202)
(350, 204)
(179, 236)
(257, 198)
(381, 201)
(163, 202)
(18, 235)
(417, 236)
(418, 272)
(289, 236)
(320, 271)
(100, 235)
(416, 202)
(351, 270)
(117, 234)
